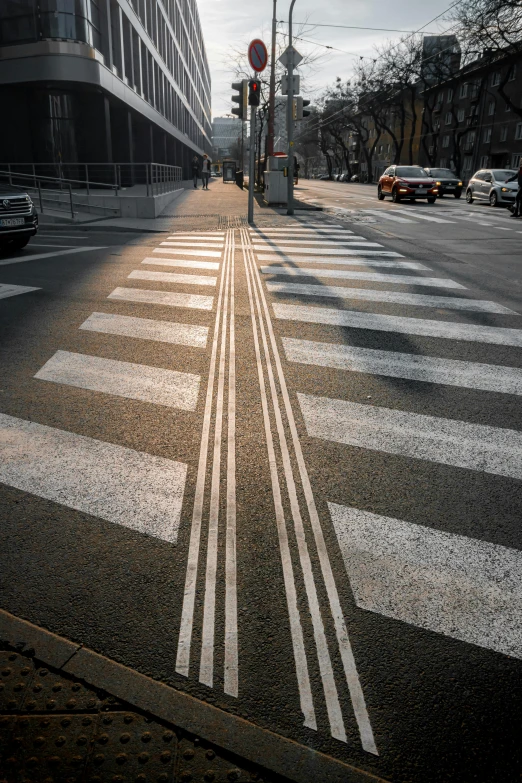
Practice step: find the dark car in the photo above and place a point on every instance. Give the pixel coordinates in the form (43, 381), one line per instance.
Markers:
(18, 218)
(409, 182)
(446, 180)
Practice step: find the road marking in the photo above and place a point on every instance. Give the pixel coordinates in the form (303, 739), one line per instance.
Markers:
(367, 262)
(350, 669)
(503, 228)
(49, 244)
(181, 263)
(7, 290)
(468, 375)
(324, 224)
(96, 478)
(330, 251)
(383, 212)
(353, 239)
(172, 277)
(390, 297)
(199, 253)
(376, 277)
(190, 244)
(296, 233)
(491, 335)
(37, 256)
(197, 237)
(146, 329)
(409, 572)
(166, 298)
(45, 235)
(446, 441)
(430, 218)
(478, 222)
(123, 379)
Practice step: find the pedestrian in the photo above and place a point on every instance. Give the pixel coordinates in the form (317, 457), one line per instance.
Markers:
(205, 171)
(518, 198)
(195, 170)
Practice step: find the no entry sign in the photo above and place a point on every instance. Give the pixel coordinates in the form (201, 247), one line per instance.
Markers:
(257, 55)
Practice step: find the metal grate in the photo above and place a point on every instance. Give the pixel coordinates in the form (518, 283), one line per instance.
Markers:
(232, 221)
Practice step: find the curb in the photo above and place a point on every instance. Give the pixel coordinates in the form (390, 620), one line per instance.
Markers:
(237, 735)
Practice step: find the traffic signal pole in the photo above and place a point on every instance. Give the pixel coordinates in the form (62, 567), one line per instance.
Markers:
(252, 164)
(290, 117)
(271, 99)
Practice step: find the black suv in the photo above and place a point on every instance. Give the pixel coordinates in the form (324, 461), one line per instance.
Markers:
(18, 218)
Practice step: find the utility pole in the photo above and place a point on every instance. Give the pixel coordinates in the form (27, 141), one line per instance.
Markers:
(271, 99)
(290, 116)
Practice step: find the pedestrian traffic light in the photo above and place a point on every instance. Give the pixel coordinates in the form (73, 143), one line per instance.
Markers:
(298, 110)
(254, 92)
(242, 88)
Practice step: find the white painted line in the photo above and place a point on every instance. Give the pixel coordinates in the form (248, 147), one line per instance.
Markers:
(456, 586)
(181, 263)
(383, 212)
(490, 335)
(146, 329)
(172, 277)
(186, 237)
(123, 486)
(335, 250)
(431, 218)
(326, 241)
(366, 262)
(195, 245)
(49, 244)
(450, 372)
(376, 277)
(349, 666)
(37, 256)
(166, 298)
(390, 297)
(45, 235)
(123, 379)
(198, 253)
(279, 234)
(7, 290)
(447, 441)
(503, 228)
(205, 234)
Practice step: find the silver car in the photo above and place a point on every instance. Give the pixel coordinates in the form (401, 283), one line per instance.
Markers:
(491, 185)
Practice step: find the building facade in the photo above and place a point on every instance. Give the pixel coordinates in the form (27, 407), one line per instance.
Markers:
(103, 81)
(226, 137)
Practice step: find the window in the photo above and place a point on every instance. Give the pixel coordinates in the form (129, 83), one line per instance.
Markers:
(463, 92)
(445, 141)
(503, 133)
(460, 115)
(486, 138)
(491, 108)
(518, 131)
(507, 107)
(484, 160)
(495, 79)
(449, 96)
(448, 118)
(516, 158)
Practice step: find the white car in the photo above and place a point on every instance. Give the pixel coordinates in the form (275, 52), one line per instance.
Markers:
(491, 185)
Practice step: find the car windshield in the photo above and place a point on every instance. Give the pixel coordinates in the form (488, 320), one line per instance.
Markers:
(410, 171)
(443, 173)
(501, 175)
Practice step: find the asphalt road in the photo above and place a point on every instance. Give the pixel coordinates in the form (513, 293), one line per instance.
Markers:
(290, 485)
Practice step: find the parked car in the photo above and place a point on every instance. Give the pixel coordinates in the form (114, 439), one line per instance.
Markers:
(406, 182)
(18, 218)
(446, 180)
(325, 176)
(491, 185)
(354, 178)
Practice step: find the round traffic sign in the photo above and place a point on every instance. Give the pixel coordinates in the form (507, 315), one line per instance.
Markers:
(257, 55)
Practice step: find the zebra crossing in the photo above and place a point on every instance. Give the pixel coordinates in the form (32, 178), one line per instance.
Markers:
(397, 568)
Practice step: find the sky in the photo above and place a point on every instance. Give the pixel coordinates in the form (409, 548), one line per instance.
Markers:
(232, 24)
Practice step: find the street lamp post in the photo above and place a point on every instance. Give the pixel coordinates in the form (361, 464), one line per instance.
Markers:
(290, 116)
(271, 103)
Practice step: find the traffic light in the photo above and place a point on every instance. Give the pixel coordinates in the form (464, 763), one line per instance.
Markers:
(298, 110)
(254, 92)
(242, 88)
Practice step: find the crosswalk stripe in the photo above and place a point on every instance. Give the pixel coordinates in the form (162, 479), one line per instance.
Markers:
(492, 335)
(351, 261)
(147, 329)
(181, 263)
(167, 298)
(408, 572)
(313, 239)
(450, 372)
(446, 441)
(330, 251)
(390, 297)
(172, 277)
(190, 244)
(123, 379)
(431, 218)
(376, 277)
(186, 237)
(318, 225)
(317, 234)
(96, 478)
(200, 253)
(327, 243)
(383, 212)
(7, 290)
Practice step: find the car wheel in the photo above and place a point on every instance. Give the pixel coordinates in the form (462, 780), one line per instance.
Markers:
(469, 197)
(380, 194)
(493, 199)
(441, 195)
(458, 193)
(432, 200)
(395, 196)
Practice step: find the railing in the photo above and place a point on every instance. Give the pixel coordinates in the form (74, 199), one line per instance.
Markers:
(54, 194)
(154, 178)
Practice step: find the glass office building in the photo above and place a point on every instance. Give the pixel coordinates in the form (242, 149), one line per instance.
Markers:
(103, 81)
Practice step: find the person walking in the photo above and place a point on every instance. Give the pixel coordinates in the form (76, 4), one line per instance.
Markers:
(205, 171)
(195, 170)
(518, 198)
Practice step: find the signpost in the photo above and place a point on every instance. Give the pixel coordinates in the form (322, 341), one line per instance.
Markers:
(257, 55)
(258, 59)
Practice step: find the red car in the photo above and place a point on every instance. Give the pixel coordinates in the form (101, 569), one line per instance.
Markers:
(409, 182)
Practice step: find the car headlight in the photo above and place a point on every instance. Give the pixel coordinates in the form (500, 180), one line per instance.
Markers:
(438, 183)
(403, 190)
(460, 184)
(505, 190)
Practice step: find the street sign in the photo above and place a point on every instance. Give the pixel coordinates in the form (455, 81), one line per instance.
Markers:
(257, 55)
(290, 52)
(296, 83)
